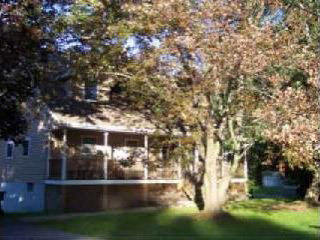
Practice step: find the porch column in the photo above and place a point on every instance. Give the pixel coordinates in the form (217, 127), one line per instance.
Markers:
(64, 155)
(107, 155)
(146, 146)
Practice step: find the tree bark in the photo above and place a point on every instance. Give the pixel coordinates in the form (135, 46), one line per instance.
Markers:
(313, 192)
(210, 180)
(318, 13)
(237, 156)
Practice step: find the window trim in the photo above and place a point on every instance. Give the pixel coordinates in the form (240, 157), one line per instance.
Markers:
(28, 153)
(165, 153)
(9, 142)
(97, 93)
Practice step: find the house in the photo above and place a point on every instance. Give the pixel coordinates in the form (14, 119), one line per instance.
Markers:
(81, 153)
(84, 151)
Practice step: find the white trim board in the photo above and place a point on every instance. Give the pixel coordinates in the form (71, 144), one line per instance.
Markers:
(238, 180)
(117, 129)
(109, 182)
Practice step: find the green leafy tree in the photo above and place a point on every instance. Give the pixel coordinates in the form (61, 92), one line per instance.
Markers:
(22, 56)
(224, 72)
(291, 114)
(218, 62)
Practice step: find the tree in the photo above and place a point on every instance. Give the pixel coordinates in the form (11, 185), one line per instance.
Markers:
(22, 55)
(222, 69)
(200, 80)
(291, 114)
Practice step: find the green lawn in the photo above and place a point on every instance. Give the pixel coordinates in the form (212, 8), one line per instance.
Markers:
(250, 220)
(273, 192)
(267, 190)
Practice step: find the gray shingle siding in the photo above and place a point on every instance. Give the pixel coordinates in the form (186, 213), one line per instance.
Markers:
(31, 168)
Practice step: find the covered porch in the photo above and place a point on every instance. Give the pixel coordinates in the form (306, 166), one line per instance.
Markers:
(83, 155)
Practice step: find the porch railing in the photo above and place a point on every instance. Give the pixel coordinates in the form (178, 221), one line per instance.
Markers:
(163, 174)
(127, 171)
(95, 168)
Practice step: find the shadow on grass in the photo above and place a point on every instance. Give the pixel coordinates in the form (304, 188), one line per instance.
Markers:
(314, 226)
(163, 225)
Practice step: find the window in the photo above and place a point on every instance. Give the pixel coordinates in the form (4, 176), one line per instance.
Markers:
(91, 90)
(165, 153)
(9, 149)
(30, 187)
(2, 196)
(131, 143)
(25, 147)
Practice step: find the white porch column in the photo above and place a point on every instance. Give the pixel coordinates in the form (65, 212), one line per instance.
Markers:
(64, 155)
(107, 155)
(146, 146)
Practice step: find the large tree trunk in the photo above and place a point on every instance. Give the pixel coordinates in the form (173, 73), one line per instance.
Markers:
(313, 192)
(210, 181)
(236, 145)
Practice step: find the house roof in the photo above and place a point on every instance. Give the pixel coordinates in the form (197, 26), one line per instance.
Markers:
(104, 118)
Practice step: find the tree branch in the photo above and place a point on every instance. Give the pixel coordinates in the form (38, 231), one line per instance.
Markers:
(118, 74)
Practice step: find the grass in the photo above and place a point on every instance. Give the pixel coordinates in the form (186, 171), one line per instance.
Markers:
(266, 190)
(250, 220)
(273, 192)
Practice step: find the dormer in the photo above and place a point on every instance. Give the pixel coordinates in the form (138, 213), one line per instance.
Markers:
(91, 90)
